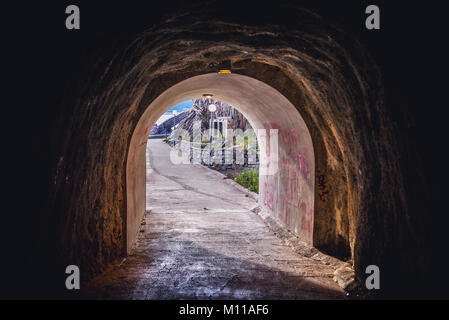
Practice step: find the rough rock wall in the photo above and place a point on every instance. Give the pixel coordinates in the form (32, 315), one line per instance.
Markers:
(326, 75)
(165, 127)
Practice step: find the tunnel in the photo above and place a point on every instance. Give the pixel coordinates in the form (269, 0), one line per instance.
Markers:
(267, 110)
(357, 194)
(336, 93)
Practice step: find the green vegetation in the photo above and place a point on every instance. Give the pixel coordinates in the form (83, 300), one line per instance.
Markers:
(249, 179)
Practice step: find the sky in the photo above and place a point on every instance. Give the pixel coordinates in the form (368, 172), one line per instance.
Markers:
(180, 106)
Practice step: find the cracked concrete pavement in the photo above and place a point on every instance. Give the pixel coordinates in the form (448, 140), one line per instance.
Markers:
(201, 241)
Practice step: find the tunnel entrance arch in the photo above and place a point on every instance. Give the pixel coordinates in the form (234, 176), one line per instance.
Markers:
(287, 181)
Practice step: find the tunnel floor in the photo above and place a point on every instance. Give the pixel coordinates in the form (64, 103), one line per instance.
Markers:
(201, 241)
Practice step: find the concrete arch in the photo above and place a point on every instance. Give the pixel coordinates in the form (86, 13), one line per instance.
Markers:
(330, 80)
(287, 178)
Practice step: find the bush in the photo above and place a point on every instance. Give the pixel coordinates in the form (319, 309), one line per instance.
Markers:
(249, 179)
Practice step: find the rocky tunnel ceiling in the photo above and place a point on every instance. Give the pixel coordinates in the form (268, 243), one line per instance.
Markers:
(362, 199)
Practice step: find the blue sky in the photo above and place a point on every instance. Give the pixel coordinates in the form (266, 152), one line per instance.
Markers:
(181, 106)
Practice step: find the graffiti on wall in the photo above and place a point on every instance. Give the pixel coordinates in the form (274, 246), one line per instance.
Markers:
(286, 194)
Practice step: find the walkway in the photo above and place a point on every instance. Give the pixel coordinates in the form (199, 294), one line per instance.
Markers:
(201, 241)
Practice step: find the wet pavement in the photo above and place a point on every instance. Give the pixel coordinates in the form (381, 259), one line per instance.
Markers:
(201, 241)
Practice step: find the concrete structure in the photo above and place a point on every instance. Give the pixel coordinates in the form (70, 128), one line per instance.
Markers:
(221, 158)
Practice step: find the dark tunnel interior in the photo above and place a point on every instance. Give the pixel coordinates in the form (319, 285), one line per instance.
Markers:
(370, 101)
